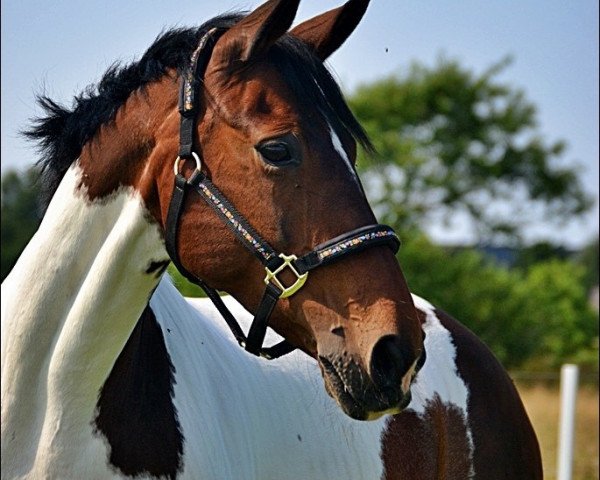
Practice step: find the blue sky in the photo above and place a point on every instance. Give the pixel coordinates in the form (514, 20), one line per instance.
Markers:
(63, 45)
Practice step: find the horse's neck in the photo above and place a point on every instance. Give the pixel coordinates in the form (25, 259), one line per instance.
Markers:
(71, 302)
(200, 346)
(274, 416)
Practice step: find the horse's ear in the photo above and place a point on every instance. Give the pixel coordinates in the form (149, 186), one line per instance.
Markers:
(255, 33)
(325, 33)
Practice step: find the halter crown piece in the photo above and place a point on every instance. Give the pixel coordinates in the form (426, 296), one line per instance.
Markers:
(274, 262)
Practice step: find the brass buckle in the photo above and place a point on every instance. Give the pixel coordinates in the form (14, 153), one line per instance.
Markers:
(272, 276)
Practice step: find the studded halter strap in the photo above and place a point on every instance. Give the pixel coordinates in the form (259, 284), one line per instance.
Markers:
(274, 262)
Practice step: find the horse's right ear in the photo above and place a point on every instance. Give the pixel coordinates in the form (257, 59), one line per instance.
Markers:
(255, 33)
(325, 33)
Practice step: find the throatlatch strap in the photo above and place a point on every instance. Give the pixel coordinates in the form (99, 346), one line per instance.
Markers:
(252, 346)
(232, 323)
(172, 226)
(253, 342)
(258, 329)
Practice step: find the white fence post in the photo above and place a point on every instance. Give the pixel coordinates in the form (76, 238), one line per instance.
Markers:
(566, 435)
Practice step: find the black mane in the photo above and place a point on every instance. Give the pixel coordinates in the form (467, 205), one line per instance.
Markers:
(62, 132)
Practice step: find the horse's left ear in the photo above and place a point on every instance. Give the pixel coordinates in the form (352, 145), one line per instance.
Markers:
(325, 33)
(255, 33)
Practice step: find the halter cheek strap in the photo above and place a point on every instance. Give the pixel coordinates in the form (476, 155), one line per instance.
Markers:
(274, 262)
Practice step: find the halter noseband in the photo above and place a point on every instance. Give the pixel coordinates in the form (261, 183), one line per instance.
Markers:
(274, 262)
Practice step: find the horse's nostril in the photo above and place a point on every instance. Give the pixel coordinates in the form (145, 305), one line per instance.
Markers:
(387, 364)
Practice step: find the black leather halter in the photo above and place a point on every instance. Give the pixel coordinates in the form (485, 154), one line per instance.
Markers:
(274, 262)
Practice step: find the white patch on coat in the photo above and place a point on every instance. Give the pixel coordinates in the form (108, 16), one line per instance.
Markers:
(439, 375)
(244, 417)
(68, 307)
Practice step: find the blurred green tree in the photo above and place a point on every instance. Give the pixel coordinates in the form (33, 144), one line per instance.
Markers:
(538, 252)
(20, 214)
(187, 288)
(540, 314)
(588, 258)
(557, 302)
(450, 141)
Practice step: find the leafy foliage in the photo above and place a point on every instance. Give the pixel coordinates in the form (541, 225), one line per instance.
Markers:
(588, 259)
(540, 313)
(20, 215)
(186, 288)
(557, 302)
(452, 141)
(540, 252)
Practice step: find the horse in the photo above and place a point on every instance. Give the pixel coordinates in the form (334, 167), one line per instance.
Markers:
(100, 382)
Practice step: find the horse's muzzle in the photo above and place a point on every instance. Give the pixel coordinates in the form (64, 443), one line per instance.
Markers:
(366, 395)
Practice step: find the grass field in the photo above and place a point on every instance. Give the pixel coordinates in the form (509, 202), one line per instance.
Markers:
(543, 406)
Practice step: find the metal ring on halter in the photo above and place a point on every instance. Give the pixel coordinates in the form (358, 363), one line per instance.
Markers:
(196, 159)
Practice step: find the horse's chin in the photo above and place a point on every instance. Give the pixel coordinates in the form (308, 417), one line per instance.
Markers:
(342, 394)
(356, 412)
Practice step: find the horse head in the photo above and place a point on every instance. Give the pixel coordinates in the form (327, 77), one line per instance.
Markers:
(274, 135)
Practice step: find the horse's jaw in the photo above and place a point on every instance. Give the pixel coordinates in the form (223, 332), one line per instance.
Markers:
(69, 305)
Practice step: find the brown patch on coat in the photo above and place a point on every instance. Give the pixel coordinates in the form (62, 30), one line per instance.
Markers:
(505, 443)
(135, 408)
(433, 445)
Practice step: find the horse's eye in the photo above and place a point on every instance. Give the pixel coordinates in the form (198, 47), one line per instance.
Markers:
(275, 152)
(280, 152)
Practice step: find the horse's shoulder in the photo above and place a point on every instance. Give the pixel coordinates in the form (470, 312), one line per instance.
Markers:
(491, 400)
(469, 349)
